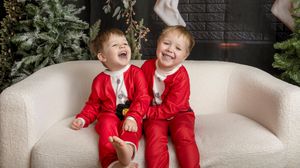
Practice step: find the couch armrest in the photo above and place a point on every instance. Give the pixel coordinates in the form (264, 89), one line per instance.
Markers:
(271, 102)
(30, 107)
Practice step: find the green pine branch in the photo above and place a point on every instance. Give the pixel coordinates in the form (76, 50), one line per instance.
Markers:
(136, 31)
(45, 32)
(14, 12)
(287, 57)
(56, 35)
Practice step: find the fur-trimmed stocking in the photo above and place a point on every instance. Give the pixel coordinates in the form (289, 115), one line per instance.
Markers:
(282, 10)
(168, 12)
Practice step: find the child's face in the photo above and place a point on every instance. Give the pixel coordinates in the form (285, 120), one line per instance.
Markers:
(172, 49)
(116, 53)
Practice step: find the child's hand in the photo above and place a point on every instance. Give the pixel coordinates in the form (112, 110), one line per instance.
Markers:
(130, 125)
(77, 124)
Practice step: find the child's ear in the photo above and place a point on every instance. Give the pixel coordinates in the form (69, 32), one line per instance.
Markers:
(101, 57)
(187, 55)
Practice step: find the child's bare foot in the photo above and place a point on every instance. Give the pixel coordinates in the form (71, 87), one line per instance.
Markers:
(124, 150)
(131, 165)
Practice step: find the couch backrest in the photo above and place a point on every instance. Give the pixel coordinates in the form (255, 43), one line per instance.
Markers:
(209, 82)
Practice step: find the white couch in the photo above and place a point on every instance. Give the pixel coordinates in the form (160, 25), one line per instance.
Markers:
(245, 118)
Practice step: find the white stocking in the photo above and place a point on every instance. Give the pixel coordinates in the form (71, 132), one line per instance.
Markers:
(168, 12)
(282, 10)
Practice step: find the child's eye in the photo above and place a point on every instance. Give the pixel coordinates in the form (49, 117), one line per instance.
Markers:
(125, 44)
(177, 48)
(114, 45)
(166, 43)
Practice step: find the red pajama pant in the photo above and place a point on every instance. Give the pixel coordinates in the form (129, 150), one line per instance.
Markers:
(181, 129)
(110, 125)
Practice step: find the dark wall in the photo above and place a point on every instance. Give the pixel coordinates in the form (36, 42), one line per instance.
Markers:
(228, 30)
(241, 31)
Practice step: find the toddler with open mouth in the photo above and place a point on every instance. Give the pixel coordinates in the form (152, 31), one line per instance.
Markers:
(118, 101)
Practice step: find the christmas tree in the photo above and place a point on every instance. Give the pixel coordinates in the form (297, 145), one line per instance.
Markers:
(48, 32)
(13, 14)
(287, 58)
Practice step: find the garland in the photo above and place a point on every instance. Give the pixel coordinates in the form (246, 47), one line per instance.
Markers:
(136, 31)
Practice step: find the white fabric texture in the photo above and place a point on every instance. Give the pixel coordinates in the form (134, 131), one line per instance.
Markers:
(244, 118)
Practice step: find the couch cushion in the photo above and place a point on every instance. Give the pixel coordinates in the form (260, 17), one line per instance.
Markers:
(223, 139)
(229, 140)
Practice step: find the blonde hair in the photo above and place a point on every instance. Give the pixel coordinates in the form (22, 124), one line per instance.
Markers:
(182, 31)
(96, 45)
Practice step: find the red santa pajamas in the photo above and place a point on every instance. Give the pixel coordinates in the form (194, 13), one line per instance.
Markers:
(171, 113)
(107, 90)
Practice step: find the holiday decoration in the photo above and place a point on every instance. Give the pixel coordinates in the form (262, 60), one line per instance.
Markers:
(8, 30)
(167, 10)
(288, 56)
(136, 31)
(282, 10)
(45, 32)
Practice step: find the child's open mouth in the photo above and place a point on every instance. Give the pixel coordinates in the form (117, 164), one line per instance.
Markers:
(167, 56)
(123, 54)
